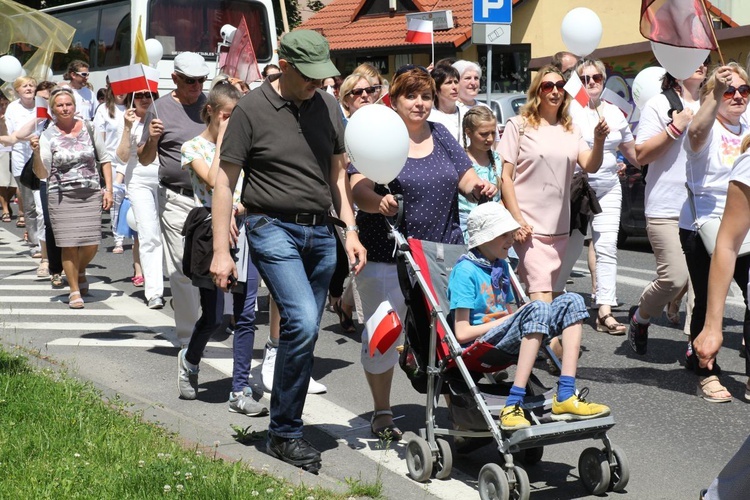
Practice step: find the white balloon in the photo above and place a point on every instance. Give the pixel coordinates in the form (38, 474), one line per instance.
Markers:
(155, 51)
(646, 85)
(680, 62)
(130, 218)
(10, 68)
(581, 31)
(377, 142)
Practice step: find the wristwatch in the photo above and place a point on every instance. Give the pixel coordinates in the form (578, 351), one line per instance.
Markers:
(354, 228)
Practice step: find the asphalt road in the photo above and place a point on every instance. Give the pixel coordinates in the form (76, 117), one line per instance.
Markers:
(675, 442)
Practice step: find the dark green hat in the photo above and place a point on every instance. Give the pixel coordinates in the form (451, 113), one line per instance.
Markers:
(308, 51)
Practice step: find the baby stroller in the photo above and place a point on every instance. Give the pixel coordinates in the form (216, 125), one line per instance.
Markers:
(437, 364)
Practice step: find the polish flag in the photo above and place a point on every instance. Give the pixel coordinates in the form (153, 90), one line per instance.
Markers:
(575, 88)
(133, 78)
(41, 108)
(419, 31)
(616, 99)
(383, 328)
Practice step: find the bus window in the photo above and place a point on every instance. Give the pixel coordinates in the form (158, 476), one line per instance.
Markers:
(194, 26)
(84, 42)
(114, 36)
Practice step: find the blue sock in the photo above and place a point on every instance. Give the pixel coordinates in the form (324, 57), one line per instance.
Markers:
(516, 395)
(566, 387)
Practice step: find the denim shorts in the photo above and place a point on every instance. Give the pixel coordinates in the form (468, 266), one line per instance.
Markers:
(549, 319)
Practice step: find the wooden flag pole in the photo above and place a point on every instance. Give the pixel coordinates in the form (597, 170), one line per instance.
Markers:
(713, 32)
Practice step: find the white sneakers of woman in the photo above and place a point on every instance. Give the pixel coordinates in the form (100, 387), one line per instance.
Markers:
(266, 372)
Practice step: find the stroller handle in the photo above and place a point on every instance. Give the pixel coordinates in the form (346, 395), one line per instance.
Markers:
(396, 220)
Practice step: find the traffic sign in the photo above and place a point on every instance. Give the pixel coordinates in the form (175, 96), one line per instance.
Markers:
(490, 34)
(493, 11)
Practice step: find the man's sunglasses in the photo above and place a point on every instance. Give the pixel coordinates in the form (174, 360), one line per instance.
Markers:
(597, 78)
(366, 90)
(744, 91)
(547, 87)
(82, 74)
(307, 79)
(144, 95)
(190, 80)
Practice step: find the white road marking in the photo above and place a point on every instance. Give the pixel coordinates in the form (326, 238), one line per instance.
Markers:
(141, 343)
(19, 311)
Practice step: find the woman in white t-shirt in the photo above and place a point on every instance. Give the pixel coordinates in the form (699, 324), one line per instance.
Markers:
(735, 224)
(446, 109)
(713, 144)
(606, 183)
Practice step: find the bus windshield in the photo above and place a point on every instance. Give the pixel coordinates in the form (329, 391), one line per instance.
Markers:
(195, 25)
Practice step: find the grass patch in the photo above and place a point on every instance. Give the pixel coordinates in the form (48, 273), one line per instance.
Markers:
(59, 439)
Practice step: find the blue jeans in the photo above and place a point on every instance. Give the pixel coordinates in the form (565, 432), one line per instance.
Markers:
(244, 329)
(297, 263)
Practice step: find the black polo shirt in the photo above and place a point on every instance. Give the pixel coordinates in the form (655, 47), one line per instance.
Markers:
(285, 151)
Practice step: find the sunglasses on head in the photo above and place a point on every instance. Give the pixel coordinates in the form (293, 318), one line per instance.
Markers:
(597, 78)
(368, 90)
(409, 67)
(307, 79)
(547, 87)
(190, 80)
(143, 95)
(83, 74)
(744, 91)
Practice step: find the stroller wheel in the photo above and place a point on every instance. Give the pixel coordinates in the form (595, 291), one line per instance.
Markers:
(445, 460)
(522, 489)
(419, 459)
(593, 467)
(621, 472)
(493, 483)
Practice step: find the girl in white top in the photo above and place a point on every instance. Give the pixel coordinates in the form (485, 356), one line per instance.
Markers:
(606, 183)
(713, 145)
(446, 110)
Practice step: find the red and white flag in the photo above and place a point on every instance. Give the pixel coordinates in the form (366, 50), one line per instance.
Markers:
(682, 23)
(383, 328)
(575, 88)
(241, 62)
(42, 111)
(616, 99)
(133, 78)
(419, 31)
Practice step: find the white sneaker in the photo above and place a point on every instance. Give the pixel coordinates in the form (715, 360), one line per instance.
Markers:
(266, 373)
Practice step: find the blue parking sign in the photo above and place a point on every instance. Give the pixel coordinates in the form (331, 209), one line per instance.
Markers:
(493, 11)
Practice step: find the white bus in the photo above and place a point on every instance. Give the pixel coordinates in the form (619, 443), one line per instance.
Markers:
(105, 32)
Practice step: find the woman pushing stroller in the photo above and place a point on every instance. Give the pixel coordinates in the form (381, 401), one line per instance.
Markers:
(479, 290)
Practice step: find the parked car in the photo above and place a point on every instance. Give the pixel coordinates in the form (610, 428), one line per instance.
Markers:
(632, 216)
(505, 105)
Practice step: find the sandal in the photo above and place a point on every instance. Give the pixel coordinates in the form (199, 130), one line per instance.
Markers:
(74, 303)
(43, 269)
(137, 281)
(6, 217)
(83, 284)
(387, 432)
(21, 222)
(673, 312)
(56, 281)
(708, 387)
(615, 328)
(346, 322)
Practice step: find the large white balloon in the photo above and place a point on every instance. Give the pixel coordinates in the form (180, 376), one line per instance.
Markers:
(155, 51)
(581, 31)
(680, 62)
(646, 85)
(10, 68)
(377, 142)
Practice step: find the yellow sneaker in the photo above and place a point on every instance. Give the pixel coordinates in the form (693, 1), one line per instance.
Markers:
(512, 418)
(577, 408)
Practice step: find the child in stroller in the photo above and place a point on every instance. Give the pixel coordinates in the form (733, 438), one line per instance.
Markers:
(479, 291)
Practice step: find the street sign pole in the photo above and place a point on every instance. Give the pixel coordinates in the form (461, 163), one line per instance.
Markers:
(491, 12)
(489, 76)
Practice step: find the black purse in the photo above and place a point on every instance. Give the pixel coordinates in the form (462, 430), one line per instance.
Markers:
(28, 179)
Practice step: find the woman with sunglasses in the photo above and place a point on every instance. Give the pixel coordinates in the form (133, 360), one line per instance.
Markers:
(78, 76)
(357, 90)
(436, 171)
(540, 150)
(606, 183)
(142, 185)
(713, 143)
(66, 155)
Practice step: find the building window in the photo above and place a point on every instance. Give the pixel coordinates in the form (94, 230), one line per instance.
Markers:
(510, 67)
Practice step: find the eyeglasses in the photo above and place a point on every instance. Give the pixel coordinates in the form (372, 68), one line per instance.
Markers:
(547, 87)
(307, 79)
(143, 95)
(82, 74)
(744, 91)
(409, 67)
(190, 80)
(366, 90)
(597, 78)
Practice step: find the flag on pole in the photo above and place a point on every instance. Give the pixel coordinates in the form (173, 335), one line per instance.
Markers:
(616, 99)
(241, 61)
(575, 88)
(383, 328)
(140, 55)
(418, 31)
(133, 78)
(42, 111)
(681, 23)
